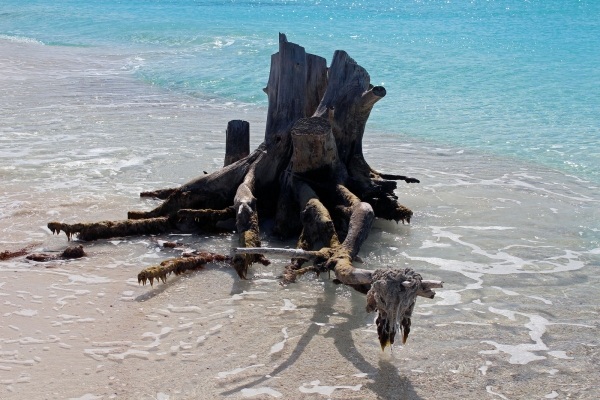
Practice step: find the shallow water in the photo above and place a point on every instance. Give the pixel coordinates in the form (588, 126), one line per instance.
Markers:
(517, 245)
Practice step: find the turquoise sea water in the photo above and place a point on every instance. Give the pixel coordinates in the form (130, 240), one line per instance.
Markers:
(515, 78)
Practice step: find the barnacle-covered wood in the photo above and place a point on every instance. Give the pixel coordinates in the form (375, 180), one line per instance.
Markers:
(178, 266)
(109, 229)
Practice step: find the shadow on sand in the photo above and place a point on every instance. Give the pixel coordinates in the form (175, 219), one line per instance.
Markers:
(383, 379)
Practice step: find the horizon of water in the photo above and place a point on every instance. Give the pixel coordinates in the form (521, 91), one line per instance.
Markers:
(511, 78)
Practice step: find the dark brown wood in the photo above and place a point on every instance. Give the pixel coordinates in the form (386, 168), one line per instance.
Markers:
(316, 82)
(237, 141)
(286, 90)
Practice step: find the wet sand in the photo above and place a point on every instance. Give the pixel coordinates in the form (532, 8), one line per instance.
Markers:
(516, 244)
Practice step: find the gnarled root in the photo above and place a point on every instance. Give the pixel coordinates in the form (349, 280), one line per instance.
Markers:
(390, 292)
(246, 222)
(67, 254)
(178, 266)
(393, 295)
(110, 229)
(293, 270)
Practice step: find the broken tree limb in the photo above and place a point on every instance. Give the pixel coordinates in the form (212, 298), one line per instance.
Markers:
(298, 253)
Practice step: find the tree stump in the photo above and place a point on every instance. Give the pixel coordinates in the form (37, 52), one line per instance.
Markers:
(309, 174)
(237, 141)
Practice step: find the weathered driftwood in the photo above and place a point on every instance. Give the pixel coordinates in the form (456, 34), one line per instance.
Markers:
(178, 266)
(309, 175)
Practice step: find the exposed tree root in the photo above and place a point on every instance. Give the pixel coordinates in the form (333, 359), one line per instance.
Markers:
(178, 266)
(110, 229)
(390, 292)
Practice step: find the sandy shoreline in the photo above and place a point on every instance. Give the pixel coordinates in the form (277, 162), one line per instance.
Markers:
(517, 317)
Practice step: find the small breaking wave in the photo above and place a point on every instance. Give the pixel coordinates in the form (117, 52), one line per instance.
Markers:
(20, 39)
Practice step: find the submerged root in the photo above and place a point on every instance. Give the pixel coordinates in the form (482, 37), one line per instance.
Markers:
(7, 255)
(67, 254)
(110, 229)
(393, 295)
(178, 266)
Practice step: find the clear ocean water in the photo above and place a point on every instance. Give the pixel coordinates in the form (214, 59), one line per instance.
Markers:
(515, 78)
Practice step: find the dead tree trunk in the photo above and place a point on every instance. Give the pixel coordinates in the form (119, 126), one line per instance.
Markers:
(309, 174)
